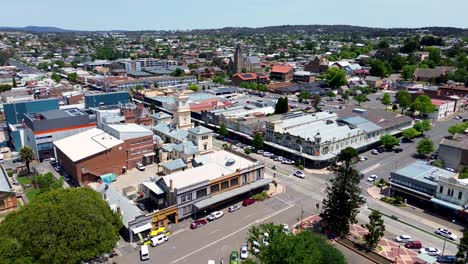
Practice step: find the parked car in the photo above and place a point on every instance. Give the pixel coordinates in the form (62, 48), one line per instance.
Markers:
(58, 168)
(286, 229)
(234, 258)
(362, 158)
(430, 251)
(255, 247)
(141, 206)
(244, 252)
(398, 150)
(248, 202)
(144, 252)
(445, 233)
(299, 174)
(198, 223)
(158, 240)
(415, 244)
(233, 208)
(372, 178)
(267, 154)
(375, 152)
(260, 151)
(215, 215)
(381, 149)
(265, 238)
(140, 166)
(52, 161)
(446, 259)
(403, 238)
(450, 169)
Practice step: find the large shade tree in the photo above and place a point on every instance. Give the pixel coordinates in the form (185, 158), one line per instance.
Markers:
(60, 226)
(423, 104)
(343, 200)
(27, 154)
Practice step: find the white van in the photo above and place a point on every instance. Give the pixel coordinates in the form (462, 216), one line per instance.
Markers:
(144, 252)
(159, 239)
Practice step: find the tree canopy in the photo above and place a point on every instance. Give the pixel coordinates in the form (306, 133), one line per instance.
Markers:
(410, 133)
(404, 100)
(335, 77)
(425, 147)
(376, 229)
(386, 100)
(27, 154)
(423, 126)
(60, 226)
(193, 87)
(423, 104)
(56, 77)
(305, 247)
(462, 254)
(223, 130)
(389, 141)
(458, 128)
(282, 105)
(360, 98)
(257, 141)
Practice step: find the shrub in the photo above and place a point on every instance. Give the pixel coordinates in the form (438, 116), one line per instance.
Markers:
(438, 163)
(260, 196)
(247, 151)
(10, 173)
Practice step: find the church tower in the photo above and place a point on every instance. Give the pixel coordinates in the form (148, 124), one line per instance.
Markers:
(182, 112)
(237, 66)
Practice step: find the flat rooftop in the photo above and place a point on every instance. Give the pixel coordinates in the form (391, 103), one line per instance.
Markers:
(56, 114)
(423, 172)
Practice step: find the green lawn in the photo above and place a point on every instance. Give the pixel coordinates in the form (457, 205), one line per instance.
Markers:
(24, 180)
(31, 194)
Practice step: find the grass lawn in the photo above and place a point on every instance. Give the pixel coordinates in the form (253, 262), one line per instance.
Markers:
(24, 180)
(31, 194)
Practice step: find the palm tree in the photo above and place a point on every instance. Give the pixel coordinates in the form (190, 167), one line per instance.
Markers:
(27, 154)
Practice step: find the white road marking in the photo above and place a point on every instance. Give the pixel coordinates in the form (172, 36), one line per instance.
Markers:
(370, 168)
(214, 231)
(288, 203)
(247, 216)
(179, 231)
(233, 233)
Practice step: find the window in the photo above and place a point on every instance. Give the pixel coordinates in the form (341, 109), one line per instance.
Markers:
(186, 197)
(214, 188)
(235, 182)
(204, 137)
(205, 147)
(259, 174)
(187, 209)
(441, 189)
(201, 193)
(460, 194)
(224, 185)
(244, 178)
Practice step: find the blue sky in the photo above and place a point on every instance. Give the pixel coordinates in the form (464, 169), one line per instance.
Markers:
(189, 14)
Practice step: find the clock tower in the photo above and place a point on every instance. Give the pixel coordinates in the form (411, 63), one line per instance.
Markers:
(182, 112)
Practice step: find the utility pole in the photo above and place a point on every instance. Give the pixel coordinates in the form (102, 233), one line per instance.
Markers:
(445, 237)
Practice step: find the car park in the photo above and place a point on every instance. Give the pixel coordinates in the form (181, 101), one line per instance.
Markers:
(248, 202)
(415, 244)
(215, 215)
(144, 252)
(299, 174)
(198, 223)
(244, 252)
(158, 240)
(233, 208)
(430, 251)
(403, 238)
(234, 257)
(372, 178)
(140, 166)
(446, 259)
(445, 233)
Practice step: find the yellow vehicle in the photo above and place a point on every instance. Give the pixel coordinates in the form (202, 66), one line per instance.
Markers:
(158, 231)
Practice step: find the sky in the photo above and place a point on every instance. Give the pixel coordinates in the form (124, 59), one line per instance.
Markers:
(202, 14)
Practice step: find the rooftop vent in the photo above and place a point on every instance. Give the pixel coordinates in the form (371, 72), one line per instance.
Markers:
(230, 162)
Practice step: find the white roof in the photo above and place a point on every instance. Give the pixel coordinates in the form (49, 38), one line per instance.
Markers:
(127, 131)
(87, 143)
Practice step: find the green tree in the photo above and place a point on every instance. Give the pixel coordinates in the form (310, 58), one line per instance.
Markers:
(360, 98)
(193, 87)
(462, 254)
(59, 63)
(331, 94)
(386, 100)
(335, 77)
(376, 229)
(434, 54)
(68, 225)
(423, 126)
(257, 141)
(253, 86)
(14, 82)
(383, 44)
(177, 72)
(410, 133)
(389, 141)
(72, 77)
(458, 128)
(56, 77)
(407, 71)
(245, 85)
(404, 100)
(425, 147)
(282, 105)
(378, 68)
(343, 200)
(223, 130)
(423, 104)
(305, 247)
(27, 154)
(47, 182)
(305, 94)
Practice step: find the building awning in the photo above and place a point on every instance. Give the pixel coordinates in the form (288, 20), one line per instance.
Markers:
(142, 228)
(149, 154)
(447, 204)
(410, 191)
(109, 177)
(152, 186)
(233, 193)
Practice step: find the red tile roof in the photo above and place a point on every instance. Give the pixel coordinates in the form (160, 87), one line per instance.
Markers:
(437, 102)
(249, 76)
(281, 68)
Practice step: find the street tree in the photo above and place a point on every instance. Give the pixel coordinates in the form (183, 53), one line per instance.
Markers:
(335, 77)
(425, 147)
(305, 247)
(386, 100)
(376, 229)
(423, 104)
(404, 100)
(193, 87)
(407, 71)
(410, 133)
(316, 100)
(56, 77)
(331, 94)
(462, 254)
(72, 77)
(458, 128)
(423, 126)
(27, 154)
(305, 95)
(72, 225)
(257, 141)
(343, 200)
(14, 82)
(389, 141)
(281, 106)
(360, 98)
(223, 130)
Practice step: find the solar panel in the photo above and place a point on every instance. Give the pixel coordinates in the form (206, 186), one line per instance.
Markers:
(247, 75)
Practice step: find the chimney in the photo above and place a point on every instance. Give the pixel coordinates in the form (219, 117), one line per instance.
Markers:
(171, 185)
(184, 148)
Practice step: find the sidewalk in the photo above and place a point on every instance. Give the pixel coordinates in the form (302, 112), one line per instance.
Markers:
(273, 191)
(318, 171)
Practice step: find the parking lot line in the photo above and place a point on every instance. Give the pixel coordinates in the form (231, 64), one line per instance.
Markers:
(233, 233)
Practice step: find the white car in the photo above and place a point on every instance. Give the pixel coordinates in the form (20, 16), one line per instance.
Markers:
(244, 252)
(362, 158)
(430, 251)
(372, 178)
(265, 238)
(267, 154)
(286, 229)
(375, 152)
(215, 215)
(140, 166)
(233, 208)
(446, 233)
(299, 174)
(260, 151)
(255, 247)
(403, 238)
(450, 169)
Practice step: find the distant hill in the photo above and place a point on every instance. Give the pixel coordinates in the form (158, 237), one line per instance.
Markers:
(37, 29)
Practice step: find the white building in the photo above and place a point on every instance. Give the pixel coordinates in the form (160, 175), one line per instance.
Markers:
(443, 108)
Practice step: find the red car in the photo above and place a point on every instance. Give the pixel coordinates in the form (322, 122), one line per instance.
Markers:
(248, 202)
(197, 223)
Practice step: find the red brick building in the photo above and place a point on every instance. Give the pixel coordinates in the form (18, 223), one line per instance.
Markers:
(249, 77)
(282, 73)
(7, 194)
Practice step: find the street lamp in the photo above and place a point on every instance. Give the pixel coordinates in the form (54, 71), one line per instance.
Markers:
(302, 215)
(445, 237)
